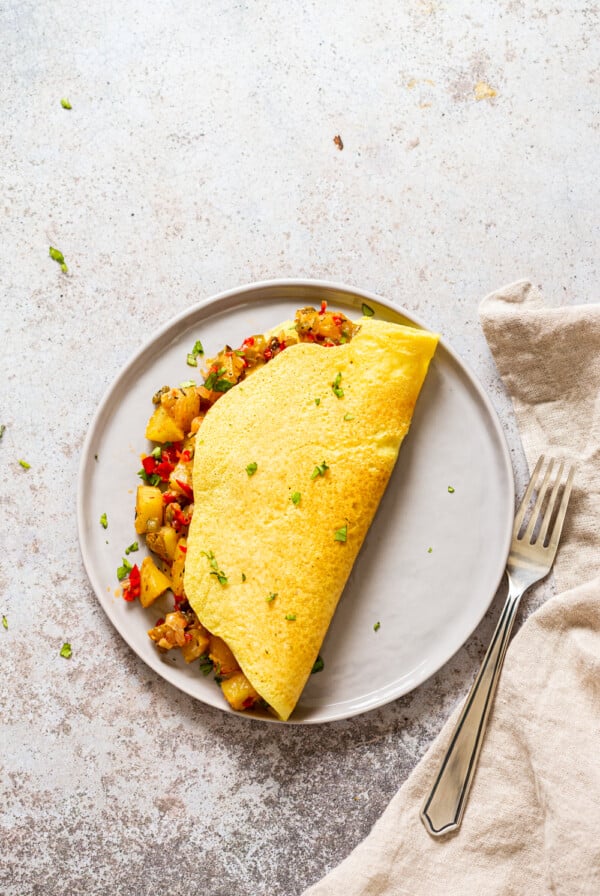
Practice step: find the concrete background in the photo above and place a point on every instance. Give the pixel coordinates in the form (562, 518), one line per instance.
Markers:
(198, 155)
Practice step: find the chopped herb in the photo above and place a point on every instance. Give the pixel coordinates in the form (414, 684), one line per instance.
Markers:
(336, 387)
(341, 534)
(189, 384)
(451, 489)
(377, 626)
(319, 664)
(2, 430)
(271, 597)
(291, 617)
(206, 665)
(429, 550)
(216, 383)
(317, 401)
(4, 622)
(192, 358)
(66, 651)
(156, 453)
(367, 310)
(56, 255)
(132, 547)
(348, 416)
(218, 573)
(149, 478)
(66, 104)
(251, 468)
(243, 577)
(319, 470)
(104, 521)
(124, 570)
(296, 496)
(25, 465)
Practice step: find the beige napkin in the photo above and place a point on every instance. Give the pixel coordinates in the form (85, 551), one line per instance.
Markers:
(532, 824)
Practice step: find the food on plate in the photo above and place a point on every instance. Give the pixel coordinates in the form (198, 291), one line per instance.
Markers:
(262, 488)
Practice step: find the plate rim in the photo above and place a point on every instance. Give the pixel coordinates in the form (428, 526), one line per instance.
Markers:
(238, 292)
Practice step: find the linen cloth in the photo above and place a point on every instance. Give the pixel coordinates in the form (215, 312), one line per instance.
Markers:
(532, 823)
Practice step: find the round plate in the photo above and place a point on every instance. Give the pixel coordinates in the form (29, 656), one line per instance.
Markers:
(434, 555)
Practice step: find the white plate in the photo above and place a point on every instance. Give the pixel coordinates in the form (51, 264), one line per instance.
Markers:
(427, 602)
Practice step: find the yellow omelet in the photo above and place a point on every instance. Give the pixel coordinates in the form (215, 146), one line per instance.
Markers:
(289, 469)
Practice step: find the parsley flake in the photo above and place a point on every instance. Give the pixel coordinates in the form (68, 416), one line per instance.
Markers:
(348, 416)
(192, 358)
(243, 577)
(215, 382)
(319, 664)
(296, 497)
(367, 310)
(57, 256)
(252, 468)
(2, 430)
(336, 387)
(271, 597)
(341, 534)
(124, 570)
(132, 547)
(377, 626)
(218, 573)
(206, 665)
(451, 489)
(319, 470)
(429, 550)
(104, 521)
(25, 465)
(4, 622)
(189, 384)
(149, 478)
(291, 617)
(66, 104)
(65, 651)
(317, 401)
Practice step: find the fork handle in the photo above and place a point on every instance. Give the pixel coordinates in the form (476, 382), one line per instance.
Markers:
(443, 809)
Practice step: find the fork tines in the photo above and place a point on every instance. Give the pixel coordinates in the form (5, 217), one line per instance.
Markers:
(548, 485)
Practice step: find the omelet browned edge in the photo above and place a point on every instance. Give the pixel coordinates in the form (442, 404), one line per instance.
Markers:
(285, 568)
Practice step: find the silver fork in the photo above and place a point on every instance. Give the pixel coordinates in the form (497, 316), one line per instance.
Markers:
(532, 553)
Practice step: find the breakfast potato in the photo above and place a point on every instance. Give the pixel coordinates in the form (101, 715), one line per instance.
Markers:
(238, 691)
(163, 543)
(181, 479)
(178, 567)
(153, 582)
(162, 427)
(222, 657)
(182, 405)
(148, 509)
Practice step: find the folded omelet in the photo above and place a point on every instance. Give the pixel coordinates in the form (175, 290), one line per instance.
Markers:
(289, 469)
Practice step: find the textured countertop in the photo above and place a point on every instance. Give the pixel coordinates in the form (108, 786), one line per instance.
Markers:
(198, 155)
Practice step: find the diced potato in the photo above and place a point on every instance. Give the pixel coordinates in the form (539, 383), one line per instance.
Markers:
(148, 509)
(222, 657)
(182, 405)
(153, 582)
(163, 542)
(162, 427)
(238, 691)
(171, 632)
(178, 567)
(196, 643)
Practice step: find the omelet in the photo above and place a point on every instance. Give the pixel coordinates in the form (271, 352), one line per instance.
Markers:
(289, 469)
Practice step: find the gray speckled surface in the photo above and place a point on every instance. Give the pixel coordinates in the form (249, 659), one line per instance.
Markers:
(199, 155)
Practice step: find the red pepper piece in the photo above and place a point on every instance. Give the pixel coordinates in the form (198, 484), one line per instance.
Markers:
(323, 308)
(186, 456)
(268, 354)
(164, 470)
(149, 464)
(186, 489)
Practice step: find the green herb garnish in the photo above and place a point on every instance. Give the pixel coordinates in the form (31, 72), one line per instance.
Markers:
(189, 384)
(2, 430)
(132, 547)
(451, 489)
(66, 104)
(341, 534)
(104, 521)
(25, 465)
(215, 382)
(243, 577)
(348, 416)
(291, 617)
(377, 626)
(149, 478)
(319, 664)
(429, 550)
(66, 651)
(218, 573)
(319, 470)
(192, 358)
(124, 570)
(367, 310)
(4, 622)
(206, 665)
(56, 255)
(296, 496)
(252, 468)
(271, 597)
(317, 401)
(337, 389)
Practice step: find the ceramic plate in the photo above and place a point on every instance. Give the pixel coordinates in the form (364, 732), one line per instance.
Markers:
(432, 560)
